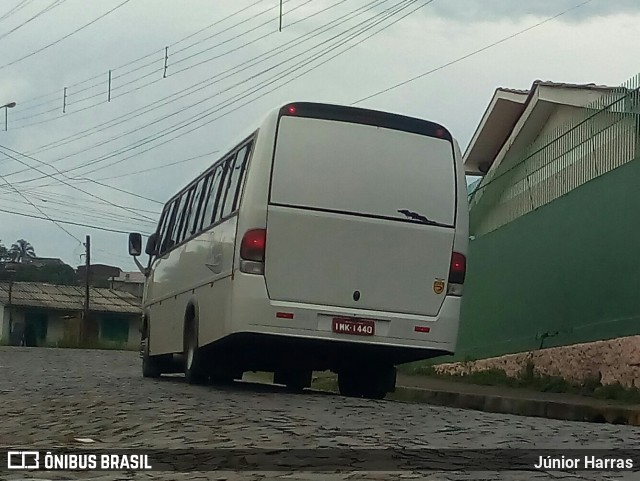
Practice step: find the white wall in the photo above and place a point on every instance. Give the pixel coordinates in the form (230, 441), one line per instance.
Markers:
(134, 332)
(55, 327)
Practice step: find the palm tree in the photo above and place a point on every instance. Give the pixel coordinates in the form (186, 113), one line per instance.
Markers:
(21, 251)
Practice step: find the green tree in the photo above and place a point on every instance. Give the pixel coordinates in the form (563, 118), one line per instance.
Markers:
(21, 251)
(54, 274)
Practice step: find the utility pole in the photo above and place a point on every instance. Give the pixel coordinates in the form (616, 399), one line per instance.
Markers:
(10, 313)
(85, 317)
(11, 336)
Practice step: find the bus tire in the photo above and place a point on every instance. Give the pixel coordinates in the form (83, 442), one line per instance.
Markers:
(194, 372)
(349, 384)
(370, 384)
(151, 365)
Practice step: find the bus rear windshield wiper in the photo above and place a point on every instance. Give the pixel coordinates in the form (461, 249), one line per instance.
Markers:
(415, 216)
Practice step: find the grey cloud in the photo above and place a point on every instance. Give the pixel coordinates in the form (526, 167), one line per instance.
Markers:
(489, 10)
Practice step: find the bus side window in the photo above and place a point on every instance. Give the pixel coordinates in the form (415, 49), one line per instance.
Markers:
(182, 228)
(198, 204)
(177, 221)
(212, 200)
(163, 241)
(242, 161)
(220, 189)
(160, 229)
(235, 170)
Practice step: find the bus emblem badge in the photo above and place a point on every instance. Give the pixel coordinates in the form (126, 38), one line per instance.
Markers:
(438, 286)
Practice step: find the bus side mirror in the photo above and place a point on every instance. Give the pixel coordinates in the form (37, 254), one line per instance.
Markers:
(135, 244)
(151, 248)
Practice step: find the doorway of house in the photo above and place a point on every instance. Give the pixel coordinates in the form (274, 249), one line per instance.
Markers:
(35, 328)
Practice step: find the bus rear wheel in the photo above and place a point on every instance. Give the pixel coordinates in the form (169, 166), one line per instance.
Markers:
(367, 383)
(194, 372)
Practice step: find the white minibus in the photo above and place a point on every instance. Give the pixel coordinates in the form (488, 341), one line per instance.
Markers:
(331, 238)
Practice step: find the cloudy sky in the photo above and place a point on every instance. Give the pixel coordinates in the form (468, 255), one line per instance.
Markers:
(111, 164)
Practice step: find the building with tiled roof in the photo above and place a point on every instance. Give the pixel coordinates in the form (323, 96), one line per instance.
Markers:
(38, 313)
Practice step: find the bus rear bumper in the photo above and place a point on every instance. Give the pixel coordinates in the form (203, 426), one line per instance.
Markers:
(403, 337)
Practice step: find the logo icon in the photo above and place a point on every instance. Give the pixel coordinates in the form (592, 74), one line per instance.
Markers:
(23, 460)
(438, 286)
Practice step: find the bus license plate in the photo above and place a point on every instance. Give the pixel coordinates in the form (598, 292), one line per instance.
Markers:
(356, 327)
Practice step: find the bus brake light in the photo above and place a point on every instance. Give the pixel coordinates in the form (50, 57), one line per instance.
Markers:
(253, 245)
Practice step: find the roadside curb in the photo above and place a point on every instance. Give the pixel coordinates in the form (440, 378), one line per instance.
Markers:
(566, 411)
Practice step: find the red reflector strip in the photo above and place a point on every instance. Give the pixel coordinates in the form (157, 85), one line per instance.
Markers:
(422, 329)
(284, 315)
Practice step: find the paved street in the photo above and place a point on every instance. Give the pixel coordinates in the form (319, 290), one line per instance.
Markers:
(52, 396)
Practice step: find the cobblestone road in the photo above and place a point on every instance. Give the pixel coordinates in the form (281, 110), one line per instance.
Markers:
(49, 397)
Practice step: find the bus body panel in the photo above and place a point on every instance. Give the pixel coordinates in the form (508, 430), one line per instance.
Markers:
(400, 267)
(214, 299)
(336, 232)
(336, 260)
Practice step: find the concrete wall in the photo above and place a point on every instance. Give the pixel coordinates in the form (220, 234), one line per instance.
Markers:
(564, 274)
(55, 327)
(611, 361)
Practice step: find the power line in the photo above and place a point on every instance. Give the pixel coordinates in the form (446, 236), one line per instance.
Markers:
(66, 36)
(15, 9)
(130, 174)
(214, 24)
(131, 62)
(386, 14)
(219, 77)
(67, 183)
(62, 173)
(52, 5)
(156, 168)
(232, 38)
(202, 62)
(475, 52)
(78, 213)
(159, 79)
(397, 10)
(242, 95)
(38, 208)
(100, 94)
(89, 226)
(205, 83)
(71, 201)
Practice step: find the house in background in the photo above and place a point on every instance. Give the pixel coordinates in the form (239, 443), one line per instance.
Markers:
(45, 261)
(554, 222)
(131, 282)
(49, 315)
(100, 274)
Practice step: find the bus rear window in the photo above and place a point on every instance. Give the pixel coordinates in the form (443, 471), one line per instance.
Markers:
(362, 169)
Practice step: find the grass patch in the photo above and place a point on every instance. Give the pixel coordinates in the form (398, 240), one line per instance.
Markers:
(94, 344)
(528, 379)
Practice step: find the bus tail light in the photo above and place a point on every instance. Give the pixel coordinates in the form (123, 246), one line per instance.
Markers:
(457, 273)
(252, 249)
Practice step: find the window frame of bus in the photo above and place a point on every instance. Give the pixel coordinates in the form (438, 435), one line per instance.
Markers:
(183, 199)
(209, 174)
